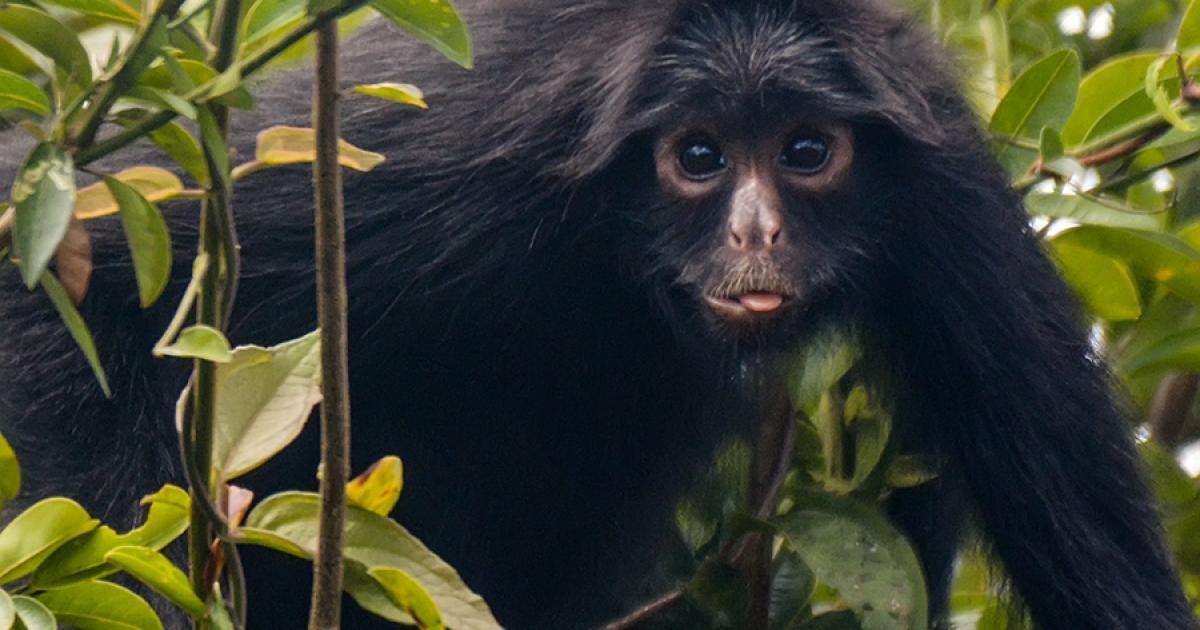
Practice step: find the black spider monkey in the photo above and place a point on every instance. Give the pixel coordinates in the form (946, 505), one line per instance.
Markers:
(581, 269)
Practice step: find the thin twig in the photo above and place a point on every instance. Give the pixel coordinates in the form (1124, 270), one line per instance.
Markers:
(254, 63)
(331, 311)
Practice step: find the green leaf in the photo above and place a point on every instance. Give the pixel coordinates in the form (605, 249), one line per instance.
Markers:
(1189, 27)
(76, 326)
(1161, 257)
(162, 99)
(154, 570)
(265, 16)
(175, 141)
(159, 76)
(112, 10)
(1105, 285)
(44, 193)
(435, 22)
(8, 614)
(83, 558)
(288, 522)
(821, 364)
(398, 92)
(213, 143)
(17, 92)
(1180, 351)
(409, 595)
(10, 472)
(100, 606)
(1091, 210)
(51, 38)
(792, 587)
(199, 342)
(265, 398)
(1103, 90)
(32, 614)
(149, 240)
(379, 487)
(1043, 96)
(35, 533)
(15, 60)
(1161, 99)
(853, 548)
(1051, 145)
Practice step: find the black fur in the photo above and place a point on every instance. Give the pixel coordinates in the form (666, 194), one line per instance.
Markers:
(525, 336)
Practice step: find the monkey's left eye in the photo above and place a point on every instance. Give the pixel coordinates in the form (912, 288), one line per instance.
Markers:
(806, 154)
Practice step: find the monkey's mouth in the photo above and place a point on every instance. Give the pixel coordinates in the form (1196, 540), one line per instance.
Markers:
(752, 306)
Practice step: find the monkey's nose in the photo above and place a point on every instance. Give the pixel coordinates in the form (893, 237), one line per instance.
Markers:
(761, 231)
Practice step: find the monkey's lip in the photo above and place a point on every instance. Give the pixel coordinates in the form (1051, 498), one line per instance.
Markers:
(748, 306)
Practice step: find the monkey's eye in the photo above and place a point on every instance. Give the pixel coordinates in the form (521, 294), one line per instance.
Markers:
(806, 154)
(701, 159)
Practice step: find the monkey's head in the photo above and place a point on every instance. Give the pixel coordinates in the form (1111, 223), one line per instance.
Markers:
(767, 173)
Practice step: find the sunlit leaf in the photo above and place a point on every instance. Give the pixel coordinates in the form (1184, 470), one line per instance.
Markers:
(34, 534)
(149, 240)
(83, 557)
(409, 595)
(159, 76)
(151, 182)
(100, 606)
(114, 10)
(379, 487)
(154, 570)
(199, 342)
(289, 145)
(1159, 96)
(44, 193)
(1105, 285)
(1161, 257)
(435, 22)
(10, 472)
(398, 92)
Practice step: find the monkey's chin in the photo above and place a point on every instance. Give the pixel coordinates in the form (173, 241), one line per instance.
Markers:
(748, 311)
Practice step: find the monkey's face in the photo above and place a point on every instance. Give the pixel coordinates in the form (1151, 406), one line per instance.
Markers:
(757, 221)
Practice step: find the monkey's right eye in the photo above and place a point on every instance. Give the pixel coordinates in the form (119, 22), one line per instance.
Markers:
(701, 160)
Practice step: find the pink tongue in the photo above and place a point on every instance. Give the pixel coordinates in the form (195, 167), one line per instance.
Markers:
(761, 302)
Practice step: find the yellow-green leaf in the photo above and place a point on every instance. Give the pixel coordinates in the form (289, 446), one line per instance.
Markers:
(35, 533)
(379, 487)
(199, 342)
(10, 472)
(151, 182)
(435, 22)
(398, 92)
(1105, 285)
(100, 606)
(32, 614)
(154, 570)
(17, 92)
(290, 145)
(409, 595)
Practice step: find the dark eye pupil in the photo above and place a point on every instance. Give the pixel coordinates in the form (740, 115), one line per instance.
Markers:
(701, 160)
(807, 155)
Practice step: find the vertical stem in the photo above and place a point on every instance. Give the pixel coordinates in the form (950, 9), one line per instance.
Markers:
(772, 456)
(218, 240)
(331, 311)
